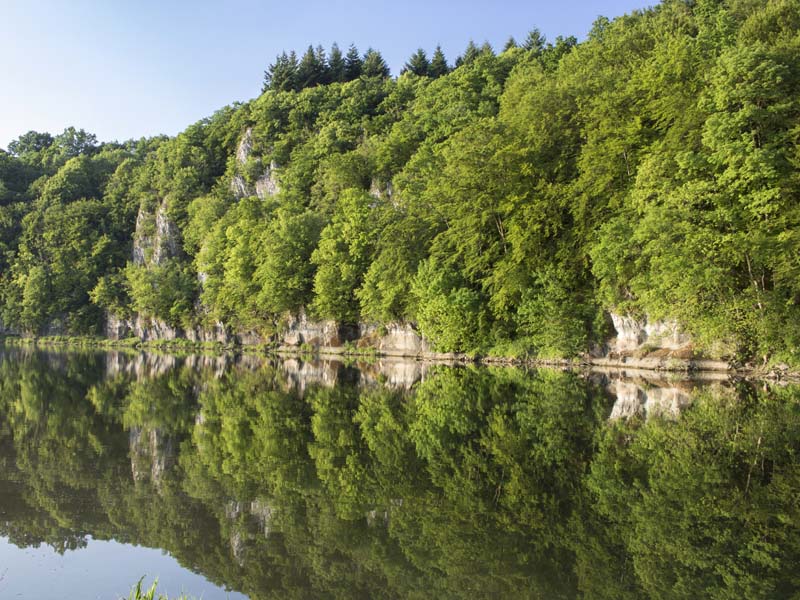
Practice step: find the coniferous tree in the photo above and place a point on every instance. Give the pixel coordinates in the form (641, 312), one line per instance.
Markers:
(535, 41)
(282, 74)
(336, 64)
(353, 64)
(418, 64)
(510, 44)
(438, 65)
(306, 69)
(311, 70)
(470, 54)
(374, 65)
(323, 66)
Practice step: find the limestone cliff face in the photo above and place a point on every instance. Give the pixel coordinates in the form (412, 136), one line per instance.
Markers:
(146, 329)
(156, 238)
(266, 184)
(299, 329)
(636, 334)
(382, 191)
(394, 339)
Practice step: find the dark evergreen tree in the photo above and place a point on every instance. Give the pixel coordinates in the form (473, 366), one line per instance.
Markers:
(282, 74)
(510, 44)
(353, 64)
(293, 65)
(324, 67)
(336, 64)
(438, 65)
(535, 41)
(470, 54)
(311, 70)
(374, 65)
(418, 64)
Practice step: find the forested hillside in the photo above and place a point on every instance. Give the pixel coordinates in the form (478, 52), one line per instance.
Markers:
(504, 204)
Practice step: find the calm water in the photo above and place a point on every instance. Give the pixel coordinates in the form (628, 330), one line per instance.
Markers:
(248, 478)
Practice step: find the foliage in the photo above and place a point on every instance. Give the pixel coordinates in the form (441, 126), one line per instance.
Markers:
(509, 201)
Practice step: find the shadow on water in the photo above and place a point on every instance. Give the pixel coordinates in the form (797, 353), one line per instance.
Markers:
(292, 479)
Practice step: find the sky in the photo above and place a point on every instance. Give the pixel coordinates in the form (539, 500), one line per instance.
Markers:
(125, 69)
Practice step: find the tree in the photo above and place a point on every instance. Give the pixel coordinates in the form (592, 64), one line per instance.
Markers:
(343, 256)
(311, 70)
(337, 64)
(374, 65)
(352, 64)
(418, 64)
(470, 54)
(31, 142)
(438, 66)
(322, 61)
(282, 74)
(535, 42)
(75, 142)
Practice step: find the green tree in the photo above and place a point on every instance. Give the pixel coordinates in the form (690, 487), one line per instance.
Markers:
(342, 257)
(337, 64)
(374, 65)
(418, 64)
(438, 66)
(353, 64)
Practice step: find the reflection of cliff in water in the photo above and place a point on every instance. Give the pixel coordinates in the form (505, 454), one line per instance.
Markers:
(403, 480)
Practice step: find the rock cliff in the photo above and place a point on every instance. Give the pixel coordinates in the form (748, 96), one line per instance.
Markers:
(637, 334)
(266, 184)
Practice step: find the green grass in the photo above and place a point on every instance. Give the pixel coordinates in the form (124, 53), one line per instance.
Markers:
(150, 594)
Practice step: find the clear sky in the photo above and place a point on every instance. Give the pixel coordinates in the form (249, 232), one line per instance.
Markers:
(125, 69)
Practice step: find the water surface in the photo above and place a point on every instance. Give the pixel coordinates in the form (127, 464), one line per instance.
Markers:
(247, 477)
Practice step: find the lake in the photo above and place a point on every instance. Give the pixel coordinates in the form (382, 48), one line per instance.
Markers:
(249, 477)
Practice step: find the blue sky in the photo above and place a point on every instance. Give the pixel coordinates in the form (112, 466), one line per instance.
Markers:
(123, 69)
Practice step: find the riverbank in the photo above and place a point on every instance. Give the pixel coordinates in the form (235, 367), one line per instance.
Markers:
(659, 361)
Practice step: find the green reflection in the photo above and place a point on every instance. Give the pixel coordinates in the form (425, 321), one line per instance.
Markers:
(291, 480)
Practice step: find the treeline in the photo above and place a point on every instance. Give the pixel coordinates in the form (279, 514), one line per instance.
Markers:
(288, 73)
(505, 206)
(316, 67)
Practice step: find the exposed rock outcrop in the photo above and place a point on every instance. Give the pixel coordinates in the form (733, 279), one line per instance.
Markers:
(299, 329)
(144, 328)
(394, 339)
(156, 239)
(266, 184)
(381, 191)
(634, 334)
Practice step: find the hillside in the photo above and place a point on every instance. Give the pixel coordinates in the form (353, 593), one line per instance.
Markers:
(509, 205)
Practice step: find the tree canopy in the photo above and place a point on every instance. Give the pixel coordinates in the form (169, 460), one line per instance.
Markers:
(507, 204)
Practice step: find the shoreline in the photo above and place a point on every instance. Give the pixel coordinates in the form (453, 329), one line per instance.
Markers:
(681, 367)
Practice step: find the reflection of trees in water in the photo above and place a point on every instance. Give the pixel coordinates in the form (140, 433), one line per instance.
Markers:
(289, 480)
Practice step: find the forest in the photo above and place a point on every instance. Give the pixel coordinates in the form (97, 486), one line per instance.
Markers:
(503, 203)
